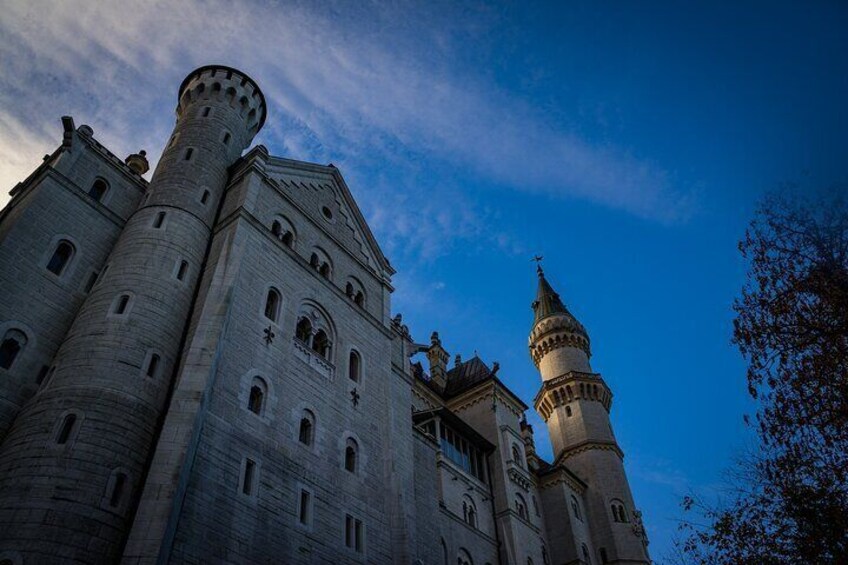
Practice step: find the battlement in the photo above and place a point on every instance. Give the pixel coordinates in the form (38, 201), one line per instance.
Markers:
(225, 83)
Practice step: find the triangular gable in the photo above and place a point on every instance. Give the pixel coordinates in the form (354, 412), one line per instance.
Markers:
(327, 180)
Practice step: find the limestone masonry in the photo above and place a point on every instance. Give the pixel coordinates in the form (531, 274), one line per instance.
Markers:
(204, 368)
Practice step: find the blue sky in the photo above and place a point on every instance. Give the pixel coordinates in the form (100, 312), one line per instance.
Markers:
(627, 143)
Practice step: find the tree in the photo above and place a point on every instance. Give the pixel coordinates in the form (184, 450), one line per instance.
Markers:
(789, 498)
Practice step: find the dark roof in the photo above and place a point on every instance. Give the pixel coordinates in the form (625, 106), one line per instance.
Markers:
(547, 301)
(465, 375)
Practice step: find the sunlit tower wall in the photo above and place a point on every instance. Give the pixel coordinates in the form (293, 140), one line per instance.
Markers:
(72, 466)
(575, 402)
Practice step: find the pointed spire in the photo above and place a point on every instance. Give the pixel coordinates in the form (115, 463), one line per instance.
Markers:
(547, 301)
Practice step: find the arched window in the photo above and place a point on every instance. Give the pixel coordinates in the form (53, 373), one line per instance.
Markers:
(464, 558)
(349, 290)
(354, 367)
(276, 229)
(521, 506)
(303, 331)
(516, 455)
(350, 456)
(604, 558)
(575, 507)
(320, 261)
(568, 411)
(14, 342)
(256, 398)
(586, 556)
(321, 344)
(287, 239)
(272, 305)
(618, 512)
(444, 552)
(306, 434)
(529, 561)
(98, 190)
(469, 511)
(61, 257)
(359, 299)
(152, 365)
(66, 429)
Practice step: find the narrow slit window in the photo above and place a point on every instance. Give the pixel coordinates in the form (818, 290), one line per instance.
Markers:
(204, 198)
(118, 490)
(247, 480)
(227, 138)
(304, 513)
(153, 365)
(89, 284)
(121, 305)
(66, 429)
(181, 272)
(206, 111)
(188, 154)
(160, 219)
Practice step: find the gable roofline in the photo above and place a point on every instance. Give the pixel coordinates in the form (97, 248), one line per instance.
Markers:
(336, 175)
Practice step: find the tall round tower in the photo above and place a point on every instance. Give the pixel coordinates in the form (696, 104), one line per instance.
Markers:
(575, 403)
(72, 464)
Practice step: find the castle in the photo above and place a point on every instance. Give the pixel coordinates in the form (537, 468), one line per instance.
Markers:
(205, 368)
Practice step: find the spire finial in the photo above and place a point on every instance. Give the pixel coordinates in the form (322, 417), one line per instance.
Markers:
(538, 261)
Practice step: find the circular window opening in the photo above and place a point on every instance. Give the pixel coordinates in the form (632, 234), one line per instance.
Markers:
(327, 213)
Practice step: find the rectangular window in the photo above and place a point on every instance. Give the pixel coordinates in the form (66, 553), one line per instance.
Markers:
(247, 480)
(304, 510)
(160, 218)
(354, 534)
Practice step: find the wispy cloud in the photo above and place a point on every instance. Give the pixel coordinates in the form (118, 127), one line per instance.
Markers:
(381, 91)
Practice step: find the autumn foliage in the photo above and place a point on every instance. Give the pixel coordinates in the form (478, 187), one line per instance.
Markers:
(789, 497)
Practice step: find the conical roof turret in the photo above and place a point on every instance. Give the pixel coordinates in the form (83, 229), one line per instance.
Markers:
(548, 303)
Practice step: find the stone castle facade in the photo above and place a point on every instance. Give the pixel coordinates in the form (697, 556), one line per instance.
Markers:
(205, 368)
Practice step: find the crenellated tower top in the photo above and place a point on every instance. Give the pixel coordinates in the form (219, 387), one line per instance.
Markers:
(221, 81)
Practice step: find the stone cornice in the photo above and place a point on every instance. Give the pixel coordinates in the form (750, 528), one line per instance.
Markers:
(561, 475)
(589, 446)
(556, 339)
(570, 387)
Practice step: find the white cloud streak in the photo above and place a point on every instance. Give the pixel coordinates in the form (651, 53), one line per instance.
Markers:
(376, 89)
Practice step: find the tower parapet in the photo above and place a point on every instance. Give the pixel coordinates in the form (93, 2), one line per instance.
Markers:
(79, 449)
